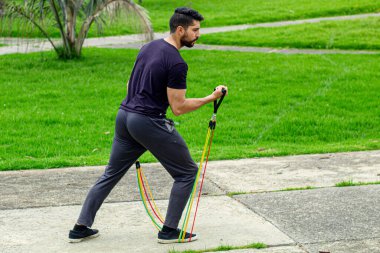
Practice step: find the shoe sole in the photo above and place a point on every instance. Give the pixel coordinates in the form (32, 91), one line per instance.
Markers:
(163, 241)
(82, 239)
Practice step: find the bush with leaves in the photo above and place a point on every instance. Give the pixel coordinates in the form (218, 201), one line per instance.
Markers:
(73, 19)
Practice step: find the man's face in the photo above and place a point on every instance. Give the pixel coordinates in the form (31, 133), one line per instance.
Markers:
(191, 34)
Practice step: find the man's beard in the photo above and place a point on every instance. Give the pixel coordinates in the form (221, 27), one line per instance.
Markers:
(187, 43)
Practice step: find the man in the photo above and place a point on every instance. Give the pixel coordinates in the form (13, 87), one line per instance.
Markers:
(158, 80)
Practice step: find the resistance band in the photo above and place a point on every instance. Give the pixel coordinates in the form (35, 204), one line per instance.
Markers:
(207, 146)
(144, 197)
(147, 196)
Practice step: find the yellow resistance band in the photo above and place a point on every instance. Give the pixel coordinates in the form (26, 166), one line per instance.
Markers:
(192, 196)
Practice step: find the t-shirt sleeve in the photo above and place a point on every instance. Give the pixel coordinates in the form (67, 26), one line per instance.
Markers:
(177, 76)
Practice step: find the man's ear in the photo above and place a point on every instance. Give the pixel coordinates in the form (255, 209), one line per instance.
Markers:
(180, 30)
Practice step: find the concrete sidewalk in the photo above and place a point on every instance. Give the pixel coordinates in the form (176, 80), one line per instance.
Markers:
(38, 207)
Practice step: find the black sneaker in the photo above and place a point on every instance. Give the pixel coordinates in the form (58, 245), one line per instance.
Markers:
(79, 233)
(172, 236)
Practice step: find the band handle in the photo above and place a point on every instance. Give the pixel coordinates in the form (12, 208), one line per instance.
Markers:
(217, 103)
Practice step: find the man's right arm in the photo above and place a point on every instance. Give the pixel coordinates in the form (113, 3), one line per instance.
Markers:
(181, 105)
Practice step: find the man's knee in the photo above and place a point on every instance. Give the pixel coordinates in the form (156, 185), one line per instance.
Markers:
(190, 177)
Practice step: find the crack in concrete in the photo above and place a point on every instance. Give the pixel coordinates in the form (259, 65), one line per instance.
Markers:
(264, 218)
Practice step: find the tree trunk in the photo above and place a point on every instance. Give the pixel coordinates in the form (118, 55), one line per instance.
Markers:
(70, 26)
(67, 50)
(1, 8)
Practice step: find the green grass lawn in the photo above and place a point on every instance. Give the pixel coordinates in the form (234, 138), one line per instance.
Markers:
(61, 113)
(225, 12)
(348, 34)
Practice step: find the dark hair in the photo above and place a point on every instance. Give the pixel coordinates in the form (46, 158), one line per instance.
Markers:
(184, 17)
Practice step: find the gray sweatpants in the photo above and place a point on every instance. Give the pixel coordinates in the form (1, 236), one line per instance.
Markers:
(134, 134)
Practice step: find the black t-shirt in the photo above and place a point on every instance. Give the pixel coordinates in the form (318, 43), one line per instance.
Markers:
(158, 66)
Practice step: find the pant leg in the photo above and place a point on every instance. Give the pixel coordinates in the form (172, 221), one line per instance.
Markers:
(125, 151)
(166, 144)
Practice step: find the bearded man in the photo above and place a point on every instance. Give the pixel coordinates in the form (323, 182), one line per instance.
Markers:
(157, 81)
